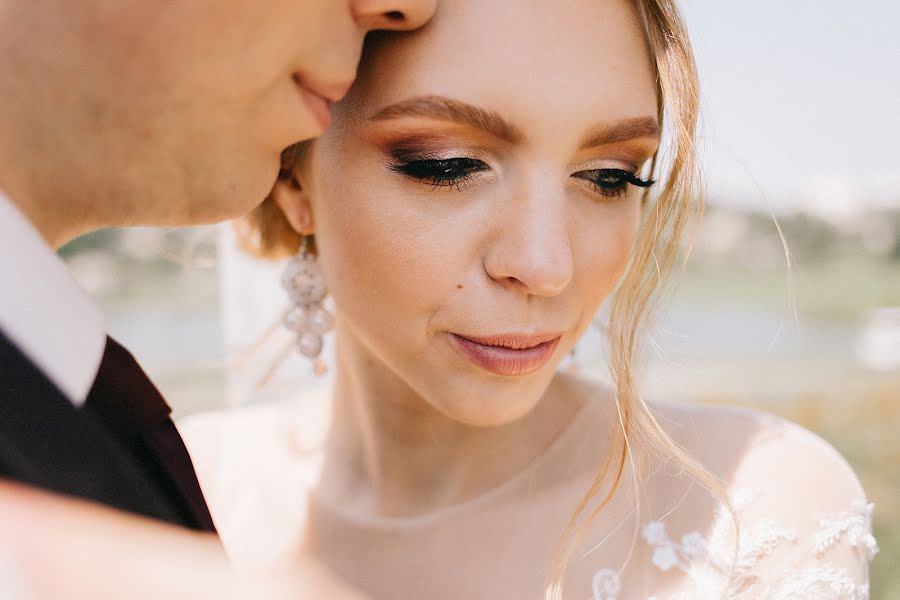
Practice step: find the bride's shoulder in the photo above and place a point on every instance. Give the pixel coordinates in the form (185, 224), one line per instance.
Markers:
(261, 428)
(255, 465)
(788, 467)
(794, 494)
(219, 436)
(750, 449)
(804, 526)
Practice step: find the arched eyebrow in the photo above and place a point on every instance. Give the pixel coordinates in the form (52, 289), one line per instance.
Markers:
(621, 131)
(448, 109)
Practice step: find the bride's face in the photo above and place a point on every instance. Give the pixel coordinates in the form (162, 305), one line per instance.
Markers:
(476, 199)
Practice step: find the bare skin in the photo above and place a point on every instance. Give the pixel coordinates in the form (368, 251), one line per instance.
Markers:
(65, 548)
(131, 112)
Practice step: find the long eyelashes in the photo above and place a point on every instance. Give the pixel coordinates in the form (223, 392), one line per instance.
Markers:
(612, 182)
(454, 172)
(443, 172)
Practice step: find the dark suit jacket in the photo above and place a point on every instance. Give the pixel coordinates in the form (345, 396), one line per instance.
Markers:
(106, 451)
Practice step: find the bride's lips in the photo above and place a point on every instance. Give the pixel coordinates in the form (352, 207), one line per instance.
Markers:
(507, 354)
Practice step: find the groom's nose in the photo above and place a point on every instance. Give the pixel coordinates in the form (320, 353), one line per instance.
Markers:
(392, 14)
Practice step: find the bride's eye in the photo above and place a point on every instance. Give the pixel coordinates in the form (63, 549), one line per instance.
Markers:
(443, 172)
(612, 182)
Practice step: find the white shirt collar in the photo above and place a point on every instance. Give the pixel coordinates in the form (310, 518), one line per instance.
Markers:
(44, 311)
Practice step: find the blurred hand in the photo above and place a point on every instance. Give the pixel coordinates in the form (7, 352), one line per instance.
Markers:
(57, 547)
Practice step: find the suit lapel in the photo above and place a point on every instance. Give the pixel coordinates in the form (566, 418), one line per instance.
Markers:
(165, 443)
(135, 411)
(48, 442)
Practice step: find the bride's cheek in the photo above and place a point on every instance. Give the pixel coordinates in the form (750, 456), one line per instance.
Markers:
(386, 265)
(602, 250)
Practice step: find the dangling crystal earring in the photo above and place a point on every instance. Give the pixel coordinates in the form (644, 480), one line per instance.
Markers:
(307, 317)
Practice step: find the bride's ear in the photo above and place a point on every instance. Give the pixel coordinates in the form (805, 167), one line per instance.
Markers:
(293, 200)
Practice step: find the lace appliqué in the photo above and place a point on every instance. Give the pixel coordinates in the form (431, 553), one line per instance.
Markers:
(606, 585)
(856, 525)
(822, 580)
(667, 553)
(716, 572)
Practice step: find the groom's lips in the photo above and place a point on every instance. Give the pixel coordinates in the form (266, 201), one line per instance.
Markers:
(318, 97)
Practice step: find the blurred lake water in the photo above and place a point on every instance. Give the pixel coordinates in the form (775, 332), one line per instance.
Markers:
(810, 332)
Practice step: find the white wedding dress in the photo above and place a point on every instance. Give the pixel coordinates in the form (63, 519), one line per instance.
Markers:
(826, 557)
(805, 524)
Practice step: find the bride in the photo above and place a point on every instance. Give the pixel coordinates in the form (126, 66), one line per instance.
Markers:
(486, 185)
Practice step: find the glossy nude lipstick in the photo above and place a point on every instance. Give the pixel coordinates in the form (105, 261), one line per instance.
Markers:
(507, 354)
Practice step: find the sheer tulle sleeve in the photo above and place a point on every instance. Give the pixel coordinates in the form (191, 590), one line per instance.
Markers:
(805, 530)
(806, 526)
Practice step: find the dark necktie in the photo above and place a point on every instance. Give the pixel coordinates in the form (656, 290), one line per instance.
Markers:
(135, 412)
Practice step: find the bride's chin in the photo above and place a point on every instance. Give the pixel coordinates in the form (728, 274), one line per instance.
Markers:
(487, 408)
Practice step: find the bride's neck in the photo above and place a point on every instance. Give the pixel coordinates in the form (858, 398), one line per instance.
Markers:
(389, 453)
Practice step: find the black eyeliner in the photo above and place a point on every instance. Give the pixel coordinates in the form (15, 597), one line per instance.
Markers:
(440, 172)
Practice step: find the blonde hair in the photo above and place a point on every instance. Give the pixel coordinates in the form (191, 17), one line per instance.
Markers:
(676, 209)
(667, 218)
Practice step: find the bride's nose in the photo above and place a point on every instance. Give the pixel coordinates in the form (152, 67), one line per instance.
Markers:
(530, 247)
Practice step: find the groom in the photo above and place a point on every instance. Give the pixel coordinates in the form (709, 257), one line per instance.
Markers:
(127, 112)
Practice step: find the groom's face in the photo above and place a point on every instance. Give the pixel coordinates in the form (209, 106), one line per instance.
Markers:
(176, 112)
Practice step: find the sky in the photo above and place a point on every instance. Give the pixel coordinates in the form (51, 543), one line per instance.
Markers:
(801, 102)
